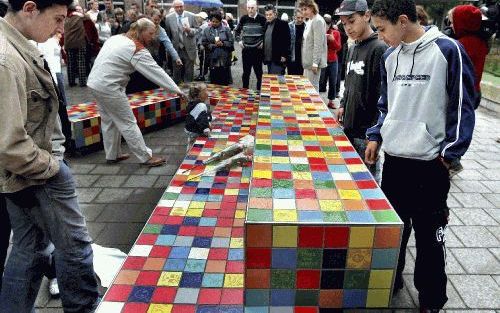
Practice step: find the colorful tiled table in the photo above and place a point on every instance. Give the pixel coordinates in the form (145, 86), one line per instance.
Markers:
(189, 257)
(153, 108)
(319, 231)
(302, 229)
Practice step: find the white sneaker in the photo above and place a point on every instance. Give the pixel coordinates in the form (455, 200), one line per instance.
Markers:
(53, 287)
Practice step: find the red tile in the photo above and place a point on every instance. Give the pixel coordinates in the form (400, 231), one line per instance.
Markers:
(306, 309)
(147, 239)
(305, 194)
(174, 220)
(308, 279)
(148, 278)
(232, 296)
(158, 219)
(282, 175)
(319, 167)
(218, 254)
(164, 295)
(160, 252)
(379, 204)
(225, 222)
(258, 258)
(262, 183)
(205, 231)
(336, 237)
(237, 232)
(228, 205)
(118, 293)
(187, 231)
(161, 211)
(311, 237)
(366, 184)
(135, 308)
(235, 267)
(183, 308)
(210, 296)
(134, 263)
(353, 161)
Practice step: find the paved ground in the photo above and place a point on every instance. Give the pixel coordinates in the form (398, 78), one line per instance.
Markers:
(118, 199)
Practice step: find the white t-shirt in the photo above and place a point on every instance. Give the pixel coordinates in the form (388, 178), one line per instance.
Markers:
(51, 51)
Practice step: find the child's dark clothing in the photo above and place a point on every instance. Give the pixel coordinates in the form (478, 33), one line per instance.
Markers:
(197, 121)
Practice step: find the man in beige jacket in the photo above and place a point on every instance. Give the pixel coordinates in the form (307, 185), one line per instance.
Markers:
(40, 190)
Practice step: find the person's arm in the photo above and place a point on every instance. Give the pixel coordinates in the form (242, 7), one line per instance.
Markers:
(335, 40)
(229, 43)
(144, 63)
(206, 39)
(319, 40)
(167, 43)
(285, 52)
(460, 118)
(19, 154)
(193, 26)
(238, 29)
(373, 90)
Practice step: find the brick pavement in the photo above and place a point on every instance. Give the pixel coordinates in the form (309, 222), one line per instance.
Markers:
(118, 199)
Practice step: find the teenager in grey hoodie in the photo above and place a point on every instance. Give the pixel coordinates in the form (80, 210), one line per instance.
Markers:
(426, 121)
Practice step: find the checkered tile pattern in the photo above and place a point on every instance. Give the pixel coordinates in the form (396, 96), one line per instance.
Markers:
(319, 231)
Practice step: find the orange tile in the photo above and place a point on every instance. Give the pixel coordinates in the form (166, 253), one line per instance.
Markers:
(259, 235)
(263, 166)
(260, 203)
(354, 205)
(330, 298)
(332, 161)
(327, 194)
(297, 154)
(222, 232)
(212, 205)
(307, 204)
(346, 184)
(258, 278)
(126, 277)
(154, 264)
(239, 222)
(216, 266)
(303, 184)
(387, 237)
(359, 258)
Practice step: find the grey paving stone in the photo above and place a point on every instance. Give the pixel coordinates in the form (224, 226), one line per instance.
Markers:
(175, 149)
(119, 233)
(95, 228)
(452, 202)
(472, 164)
(495, 230)
(493, 185)
(477, 261)
(87, 194)
(106, 169)
(91, 211)
(410, 263)
(452, 240)
(169, 169)
(453, 187)
(475, 236)
(146, 195)
(110, 181)
(470, 311)
(133, 168)
(473, 200)
(474, 217)
(143, 181)
(402, 300)
(493, 174)
(470, 186)
(495, 252)
(114, 195)
(454, 299)
(496, 278)
(495, 213)
(85, 180)
(454, 219)
(163, 182)
(470, 175)
(490, 164)
(80, 168)
(477, 291)
(43, 296)
(493, 198)
(488, 156)
(452, 265)
(127, 212)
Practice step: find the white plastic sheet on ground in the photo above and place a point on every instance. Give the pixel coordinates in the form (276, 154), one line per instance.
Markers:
(107, 263)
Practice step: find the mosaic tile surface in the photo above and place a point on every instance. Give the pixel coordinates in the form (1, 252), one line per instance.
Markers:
(151, 108)
(319, 231)
(189, 257)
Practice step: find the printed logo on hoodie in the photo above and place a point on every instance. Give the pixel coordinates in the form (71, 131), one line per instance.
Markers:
(357, 67)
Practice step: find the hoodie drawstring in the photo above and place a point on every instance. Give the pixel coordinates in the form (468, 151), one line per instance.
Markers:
(412, 64)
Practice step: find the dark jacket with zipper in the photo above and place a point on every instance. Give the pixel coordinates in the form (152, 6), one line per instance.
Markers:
(362, 86)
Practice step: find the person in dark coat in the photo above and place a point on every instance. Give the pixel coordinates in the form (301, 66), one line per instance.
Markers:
(276, 42)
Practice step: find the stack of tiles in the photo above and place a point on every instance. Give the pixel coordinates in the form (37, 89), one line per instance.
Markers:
(189, 258)
(319, 231)
(153, 108)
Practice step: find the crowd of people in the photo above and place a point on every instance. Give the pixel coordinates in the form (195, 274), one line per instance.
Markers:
(410, 90)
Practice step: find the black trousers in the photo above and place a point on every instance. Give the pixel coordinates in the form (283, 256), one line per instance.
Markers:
(418, 191)
(252, 58)
(295, 68)
(4, 235)
(220, 75)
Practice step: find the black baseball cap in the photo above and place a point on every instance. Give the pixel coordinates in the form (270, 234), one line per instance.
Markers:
(349, 7)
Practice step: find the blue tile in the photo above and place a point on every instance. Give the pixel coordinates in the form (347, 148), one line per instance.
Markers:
(280, 153)
(354, 298)
(256, 309)
(207, 309)
(191, 280)
(219, 186)
(191, 221)
(321, 176)
(187, 295)
(202, 191)
(385, 258)
(179, 252)
(360, 217)
(283, 193)
(213, 280)
(242, 198)
(338, 169)
(282, 297)
(195, 266)
(350, 155)
(170, 230)
(218, 242)
(310, 216)
(202, 242)
(214, 198)
(208, 221)
(284, 258)
(256, 297)
(231, 309)
(361, 176)
(372, 194)
(185, 197)
(175, 265)
(165, 240)
(236, 255)
(281, 167)
(183, 241)
(200, 197)
(141, 294)
(191, 184)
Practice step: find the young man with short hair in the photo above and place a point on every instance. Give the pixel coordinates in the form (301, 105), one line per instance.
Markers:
(426, 121)
(39, 187)
(358, 108)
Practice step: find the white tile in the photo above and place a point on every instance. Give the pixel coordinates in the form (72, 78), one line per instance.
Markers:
(140, 250)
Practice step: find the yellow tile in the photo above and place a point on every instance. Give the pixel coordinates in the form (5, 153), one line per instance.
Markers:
(178, 212)
(280, 160)
(233, 281)
(332, 155)
(262, 174)
(349, 194)
(265, 131)
(309, 138)
(263, 141)
(231, 192)
(355, 168)
(169, 279)
(285, 236)
(236, 243)
(314, 154)
(295, 142)
(342, 143)
(194, 212)
(160, 308)
(302, 175)
(359, 258)
(285, 215)
(378, 298)
(262, 159)
(197, 205)
(280, 142)
(245, 180)
(331, 205)
(361, 237)
(240, 214)
(380, 279)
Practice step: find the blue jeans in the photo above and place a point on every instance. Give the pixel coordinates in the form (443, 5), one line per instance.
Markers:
(276, 68)
(332, 73)
(40, 215)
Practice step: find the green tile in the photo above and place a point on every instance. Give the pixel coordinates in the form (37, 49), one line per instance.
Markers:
(329, 149)
(256, 215)
(169, 196)
(335, 217)
(306, 297)
(261, 192)
(300, 167)
(262, 147)
(329, 184)
(282, 183)
(283, 279)
(356, 279)
(256, 297)
(386, 216)
(309, 258)
(152, 229)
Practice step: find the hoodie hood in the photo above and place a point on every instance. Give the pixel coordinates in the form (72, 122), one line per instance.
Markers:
(373, 36)
(466, 19)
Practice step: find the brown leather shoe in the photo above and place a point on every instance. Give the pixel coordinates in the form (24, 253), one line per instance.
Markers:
(155, 161)
(122, 157)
